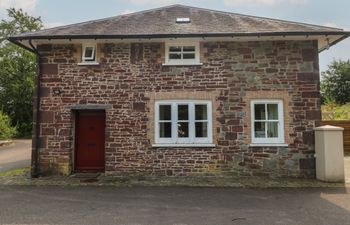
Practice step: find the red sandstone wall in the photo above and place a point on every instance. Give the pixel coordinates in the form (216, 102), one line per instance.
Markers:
(129, 73)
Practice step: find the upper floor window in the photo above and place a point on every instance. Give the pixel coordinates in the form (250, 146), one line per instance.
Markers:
(183, 122)
(182, 53)
(89, 53)
(267, 122)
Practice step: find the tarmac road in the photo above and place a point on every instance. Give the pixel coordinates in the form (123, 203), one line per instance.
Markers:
(16, 155)
(173, 206)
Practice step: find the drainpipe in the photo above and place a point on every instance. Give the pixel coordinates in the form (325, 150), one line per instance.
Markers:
(35, 153)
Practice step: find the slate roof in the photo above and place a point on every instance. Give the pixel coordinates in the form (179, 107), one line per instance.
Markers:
(160, 22)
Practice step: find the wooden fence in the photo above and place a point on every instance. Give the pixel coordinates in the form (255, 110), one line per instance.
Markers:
(346, 134)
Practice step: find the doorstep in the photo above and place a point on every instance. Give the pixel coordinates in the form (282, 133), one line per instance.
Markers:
(85, 175)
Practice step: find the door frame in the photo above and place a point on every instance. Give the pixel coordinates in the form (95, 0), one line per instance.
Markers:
(75, 139)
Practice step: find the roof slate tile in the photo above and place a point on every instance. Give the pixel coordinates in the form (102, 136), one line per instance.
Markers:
(162, 21)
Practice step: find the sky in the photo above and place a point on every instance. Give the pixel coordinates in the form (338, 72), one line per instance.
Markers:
(333, 13)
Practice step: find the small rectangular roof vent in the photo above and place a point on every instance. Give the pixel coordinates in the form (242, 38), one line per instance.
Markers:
(183, 20)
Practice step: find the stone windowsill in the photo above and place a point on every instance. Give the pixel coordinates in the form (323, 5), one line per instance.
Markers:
(268, 145)
(88, 64)
(180, 64)
(199, 145)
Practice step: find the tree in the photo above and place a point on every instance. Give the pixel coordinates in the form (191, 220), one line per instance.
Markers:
(17, 71)
(335, 83)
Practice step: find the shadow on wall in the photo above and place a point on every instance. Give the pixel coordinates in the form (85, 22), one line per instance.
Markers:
(347, 168)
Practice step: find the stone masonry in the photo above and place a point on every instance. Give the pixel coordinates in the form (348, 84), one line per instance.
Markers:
(130, 77)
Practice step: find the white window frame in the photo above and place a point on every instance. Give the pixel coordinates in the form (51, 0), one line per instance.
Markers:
(266, 140)
(88, 59)
(182, 62)
(174, 140)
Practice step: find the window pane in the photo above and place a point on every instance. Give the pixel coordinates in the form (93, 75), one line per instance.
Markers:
(88, 52)
(165, 112)
(175, 56)
(201, 129)
(272, 129)
(189, 56)
(165, 129)
(189, 48)
(259, 129)
(272, 111)
(175, 48)
(259, 110)
(182, 112)
(182, 129)
(201, 112)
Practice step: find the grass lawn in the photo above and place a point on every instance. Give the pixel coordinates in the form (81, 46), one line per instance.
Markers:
(14, 172)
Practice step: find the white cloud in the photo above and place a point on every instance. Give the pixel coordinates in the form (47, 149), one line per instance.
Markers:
(26, 5)
(235, 3)
(297, 2)
(52, 24)
(335, 25)
(127, 11)
(331, 24)
(200, 3)
(153, 2)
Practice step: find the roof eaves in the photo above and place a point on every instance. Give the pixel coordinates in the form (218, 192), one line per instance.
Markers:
(17, 42)
(346, 35)
(189, 35)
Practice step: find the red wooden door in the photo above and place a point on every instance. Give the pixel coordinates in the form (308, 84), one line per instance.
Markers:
(90, 141)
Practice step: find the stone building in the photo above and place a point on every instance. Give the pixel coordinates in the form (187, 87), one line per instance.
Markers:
(178, 91)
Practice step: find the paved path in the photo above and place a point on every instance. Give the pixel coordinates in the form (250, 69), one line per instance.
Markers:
(16, 155)
(173, 206)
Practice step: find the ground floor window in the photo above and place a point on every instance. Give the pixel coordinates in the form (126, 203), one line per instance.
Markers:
(267, 121)
(183, 122)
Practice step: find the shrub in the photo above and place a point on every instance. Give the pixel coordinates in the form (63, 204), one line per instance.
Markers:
(333, 111)
(6, 131)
